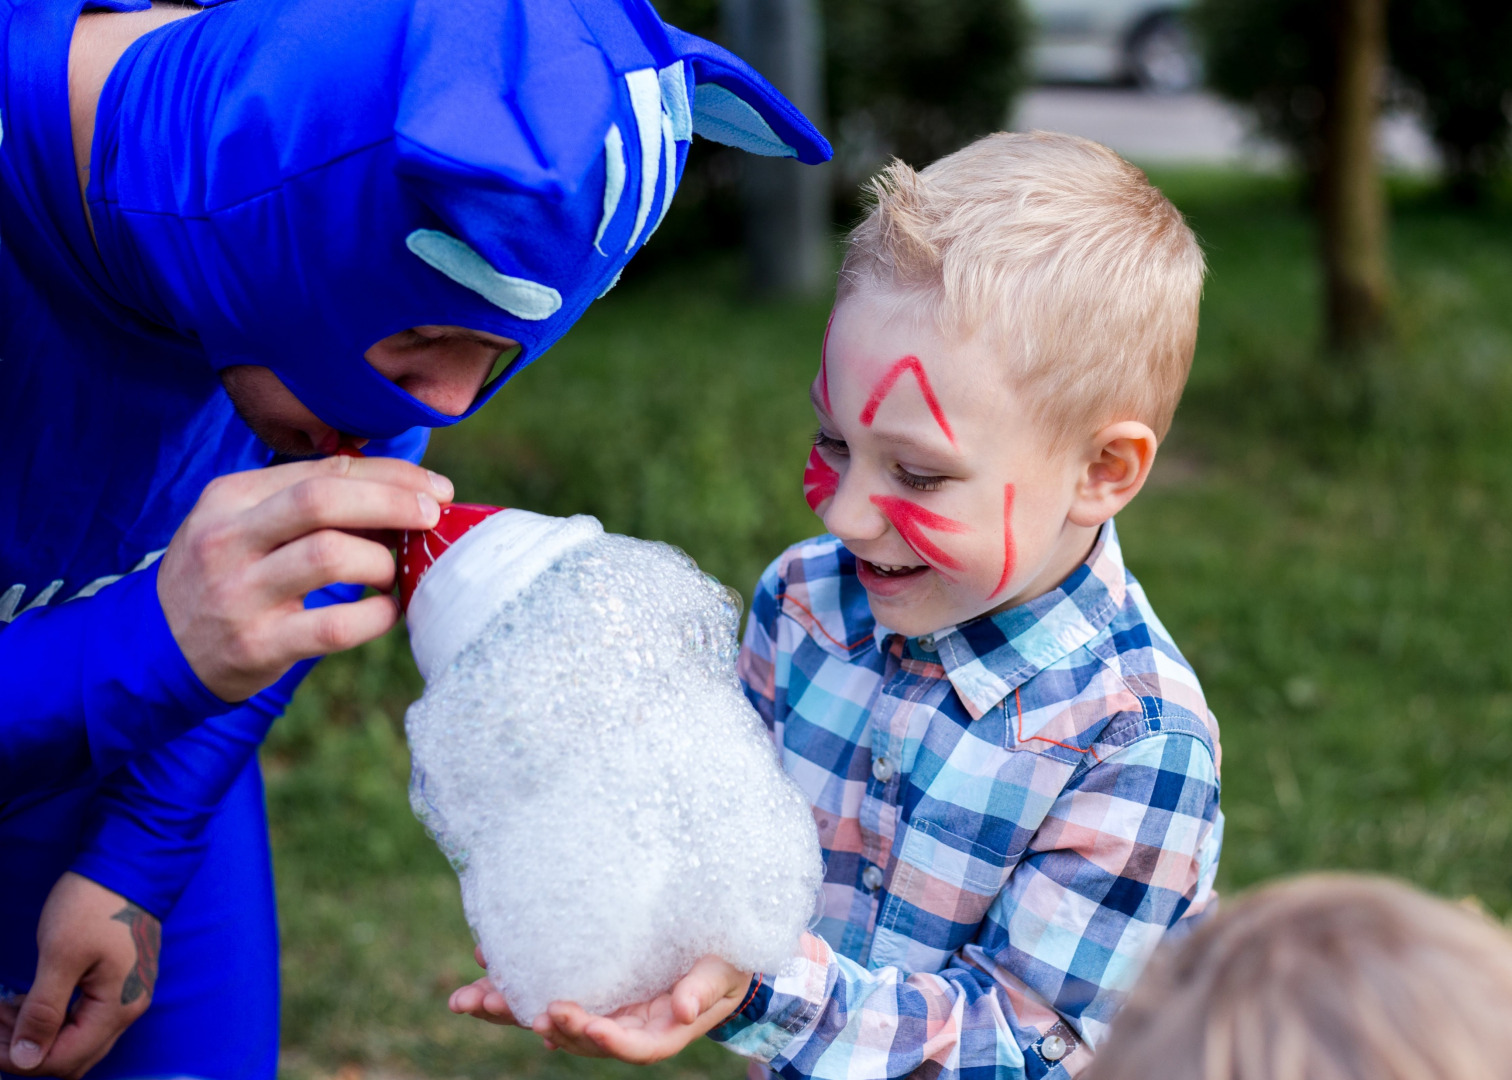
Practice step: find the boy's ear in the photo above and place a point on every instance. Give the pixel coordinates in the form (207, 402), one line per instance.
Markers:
(1116, 467)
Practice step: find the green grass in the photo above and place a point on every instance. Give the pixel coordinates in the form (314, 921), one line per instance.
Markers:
(1330, 552)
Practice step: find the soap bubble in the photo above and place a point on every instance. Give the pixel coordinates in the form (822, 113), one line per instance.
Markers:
(611, 802)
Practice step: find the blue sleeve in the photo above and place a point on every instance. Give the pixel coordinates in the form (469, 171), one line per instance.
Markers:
(89, 684)
(147, 837)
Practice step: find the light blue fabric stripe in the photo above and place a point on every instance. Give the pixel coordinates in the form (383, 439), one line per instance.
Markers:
(645, 98)
(674, 91)
(614, 180)
(669, 170)
(722, 117)
(520, 297)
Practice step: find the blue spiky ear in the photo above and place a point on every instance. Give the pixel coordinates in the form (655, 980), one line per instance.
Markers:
(734, 105)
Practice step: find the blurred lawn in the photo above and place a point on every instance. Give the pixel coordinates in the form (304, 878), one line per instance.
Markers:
(1333, 561)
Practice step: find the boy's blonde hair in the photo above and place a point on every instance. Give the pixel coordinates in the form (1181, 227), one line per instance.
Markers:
(1082, 272)
(1327, 977)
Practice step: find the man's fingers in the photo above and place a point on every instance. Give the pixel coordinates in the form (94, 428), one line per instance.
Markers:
(43, 1013)
(256, 485)
(329, 502)
(324, 558)
(338, 627)
(88, 1036)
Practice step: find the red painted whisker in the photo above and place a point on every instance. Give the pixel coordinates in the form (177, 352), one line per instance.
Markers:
(890, 379)
(824, 363)
(911, 519)
(1010, 554)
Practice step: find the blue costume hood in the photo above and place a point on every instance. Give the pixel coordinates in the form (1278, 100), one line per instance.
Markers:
(494, 165)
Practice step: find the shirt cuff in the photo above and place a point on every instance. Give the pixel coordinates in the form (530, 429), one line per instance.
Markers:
(785, 1005)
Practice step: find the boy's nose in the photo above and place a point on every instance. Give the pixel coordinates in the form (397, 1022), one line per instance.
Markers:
(851, 515)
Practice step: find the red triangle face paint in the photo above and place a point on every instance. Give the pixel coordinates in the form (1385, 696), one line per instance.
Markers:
(824, 365)
(1009, 552)
(911, 519)
(820, 482)
(890, 379)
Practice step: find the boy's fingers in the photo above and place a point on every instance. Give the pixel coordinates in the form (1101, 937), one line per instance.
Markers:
(637, 1046)
(478, 956)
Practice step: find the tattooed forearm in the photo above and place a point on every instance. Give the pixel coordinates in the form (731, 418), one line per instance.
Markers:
(147, 936)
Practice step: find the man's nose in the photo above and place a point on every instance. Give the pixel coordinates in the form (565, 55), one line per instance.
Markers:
(451, 375)
(851, 515)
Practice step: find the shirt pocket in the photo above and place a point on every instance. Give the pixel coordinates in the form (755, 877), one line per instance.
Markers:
(938, 893)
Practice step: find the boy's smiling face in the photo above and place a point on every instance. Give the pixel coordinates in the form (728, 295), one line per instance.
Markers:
(929, 467)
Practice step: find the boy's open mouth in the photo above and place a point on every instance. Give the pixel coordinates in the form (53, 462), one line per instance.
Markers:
(891, 571)
(878, 576)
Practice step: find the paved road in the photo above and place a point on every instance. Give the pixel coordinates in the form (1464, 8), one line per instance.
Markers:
(1194, 128)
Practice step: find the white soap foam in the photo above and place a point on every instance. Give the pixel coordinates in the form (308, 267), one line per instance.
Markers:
(613, 804)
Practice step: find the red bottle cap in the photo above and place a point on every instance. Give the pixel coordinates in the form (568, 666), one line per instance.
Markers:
(420, 548)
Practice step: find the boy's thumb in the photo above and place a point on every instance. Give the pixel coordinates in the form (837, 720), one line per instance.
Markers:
(42, 1015)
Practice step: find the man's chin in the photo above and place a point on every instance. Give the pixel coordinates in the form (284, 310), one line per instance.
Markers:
(286, 441)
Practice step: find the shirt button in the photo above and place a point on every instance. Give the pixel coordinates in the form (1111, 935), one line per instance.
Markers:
(1053, 1048)
(871, 877)
(882, 769)
(927, 643)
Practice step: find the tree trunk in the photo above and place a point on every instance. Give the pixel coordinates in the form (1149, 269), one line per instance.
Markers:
(786, 203)
(1353, 202)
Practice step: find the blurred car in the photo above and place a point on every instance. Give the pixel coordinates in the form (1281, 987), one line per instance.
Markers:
(1145, 42)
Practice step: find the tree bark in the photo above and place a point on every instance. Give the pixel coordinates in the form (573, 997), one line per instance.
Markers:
(1353, 201)
(786, 203)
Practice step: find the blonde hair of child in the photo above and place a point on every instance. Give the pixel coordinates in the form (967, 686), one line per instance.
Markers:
(1084, 274)
(1326, 977)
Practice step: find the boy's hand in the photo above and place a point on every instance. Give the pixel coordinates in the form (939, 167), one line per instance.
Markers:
(642, 1033)
(480, 999)
(652, 1030)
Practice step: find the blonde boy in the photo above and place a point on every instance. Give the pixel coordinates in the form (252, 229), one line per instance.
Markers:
(1012, 769)
(1328, 977)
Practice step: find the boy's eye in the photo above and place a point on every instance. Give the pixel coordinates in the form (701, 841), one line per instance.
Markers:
(830, 444)
(917, 482)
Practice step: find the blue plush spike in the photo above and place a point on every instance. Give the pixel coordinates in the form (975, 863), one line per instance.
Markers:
(614, 180)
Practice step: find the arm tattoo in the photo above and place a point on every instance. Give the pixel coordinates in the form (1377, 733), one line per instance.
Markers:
(147, 936)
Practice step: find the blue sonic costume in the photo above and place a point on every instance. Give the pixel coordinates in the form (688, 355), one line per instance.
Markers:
(281, 183)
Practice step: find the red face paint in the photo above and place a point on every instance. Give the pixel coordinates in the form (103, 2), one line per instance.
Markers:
(819, 480)
(824, 364)
(911, 519)
(890, 379)
(1009, 555)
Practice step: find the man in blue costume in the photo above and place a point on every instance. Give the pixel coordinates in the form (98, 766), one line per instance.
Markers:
(304, 225)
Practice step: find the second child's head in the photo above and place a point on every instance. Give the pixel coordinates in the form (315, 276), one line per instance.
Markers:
(1011, 334)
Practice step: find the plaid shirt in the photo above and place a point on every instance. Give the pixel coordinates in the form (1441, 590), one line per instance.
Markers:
(1013, 813)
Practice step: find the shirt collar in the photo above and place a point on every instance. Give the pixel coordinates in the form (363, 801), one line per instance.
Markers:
(988, 658)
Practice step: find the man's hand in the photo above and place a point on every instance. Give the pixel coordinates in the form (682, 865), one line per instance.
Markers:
(642, 1033)
(94, 940)
(234, 579)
